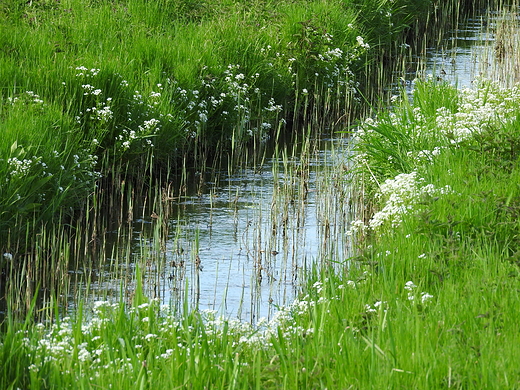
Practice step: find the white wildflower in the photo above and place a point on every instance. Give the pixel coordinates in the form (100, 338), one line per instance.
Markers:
(362, 43)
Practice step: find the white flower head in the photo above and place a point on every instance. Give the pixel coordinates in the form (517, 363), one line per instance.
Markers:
(362, 43)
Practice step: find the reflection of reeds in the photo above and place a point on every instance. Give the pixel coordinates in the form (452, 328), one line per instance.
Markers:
(507, 47)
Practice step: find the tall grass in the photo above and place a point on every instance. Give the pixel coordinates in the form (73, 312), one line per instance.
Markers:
(429, 301)
(181, 80)
(440, 174)
(172, 80)
(97, 97)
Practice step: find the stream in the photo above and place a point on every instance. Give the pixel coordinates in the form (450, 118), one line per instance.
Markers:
(241, 243)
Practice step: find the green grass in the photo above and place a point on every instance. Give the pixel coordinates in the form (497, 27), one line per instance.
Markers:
(145, 86)
(99, 97)
(429, 301)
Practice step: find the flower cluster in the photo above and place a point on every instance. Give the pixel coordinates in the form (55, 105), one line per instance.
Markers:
(136, 122)
(85, 72)
(27, 97)
(58, 169)
(399, 196)
(230, 99)
(96, 109)
(413, 296)
(144, 132)
(375, 307)
(361, 42)
(22, 167)
(101, 111)
(484, 105)
(425, 156)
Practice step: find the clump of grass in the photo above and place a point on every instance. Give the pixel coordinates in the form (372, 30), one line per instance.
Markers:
(148, 345)
(404, 141)
(45, 172)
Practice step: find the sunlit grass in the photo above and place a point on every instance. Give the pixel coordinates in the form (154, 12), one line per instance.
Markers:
(142, 86)
(442, 177)
(429, 301)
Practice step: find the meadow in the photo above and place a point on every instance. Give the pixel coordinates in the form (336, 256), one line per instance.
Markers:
(429, 300)
(102, 103)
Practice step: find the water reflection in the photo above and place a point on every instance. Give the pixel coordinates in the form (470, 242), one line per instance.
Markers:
(239, 243)
(462, 55)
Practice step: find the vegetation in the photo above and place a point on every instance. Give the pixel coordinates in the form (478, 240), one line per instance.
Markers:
(127, 90)
(429, 301)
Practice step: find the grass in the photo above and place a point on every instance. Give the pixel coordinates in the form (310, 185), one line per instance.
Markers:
(165, 83)
(429, 302)
(444, 173)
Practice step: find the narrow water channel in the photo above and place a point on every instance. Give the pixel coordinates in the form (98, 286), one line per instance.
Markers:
(241, 243)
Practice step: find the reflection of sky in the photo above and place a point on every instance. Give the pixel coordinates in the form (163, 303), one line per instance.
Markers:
(464, 54)
(233, 225)
(236, 228)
